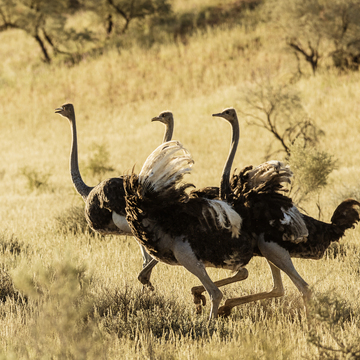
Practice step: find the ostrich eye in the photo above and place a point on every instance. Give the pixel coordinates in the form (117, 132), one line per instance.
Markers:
(227, 112)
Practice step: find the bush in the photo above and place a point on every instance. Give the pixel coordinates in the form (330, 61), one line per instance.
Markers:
(7, 288)
(311, 168)
(278, 109)
(335, 314)
(36, 180)
(318, 29)
(98, 164)
(73, 221)
(10, 244)
(60, 327)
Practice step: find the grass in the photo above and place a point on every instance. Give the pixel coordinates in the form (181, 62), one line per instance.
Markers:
(79, 296)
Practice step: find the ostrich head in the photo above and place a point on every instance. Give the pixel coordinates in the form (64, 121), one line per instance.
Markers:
(228, 114)
(166, 117)
(67, 111)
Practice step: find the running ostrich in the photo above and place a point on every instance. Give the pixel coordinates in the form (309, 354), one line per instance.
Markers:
(105, 202)
(210, 192)
(167, 118)
(264, 216)
(178, 229)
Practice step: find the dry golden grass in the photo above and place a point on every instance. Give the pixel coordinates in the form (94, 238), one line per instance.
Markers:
(115, 96)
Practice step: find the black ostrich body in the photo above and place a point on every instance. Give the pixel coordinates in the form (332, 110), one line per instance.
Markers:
(104, 199)
(280, 230)
(157, 222)
(210, 192)
(261, 211)
(322, 234)
(179, 229)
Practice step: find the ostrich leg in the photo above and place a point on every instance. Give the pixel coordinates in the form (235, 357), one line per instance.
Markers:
(199, 298)
(144, 275)
(277, 291)
(187, 258)
(278, 259)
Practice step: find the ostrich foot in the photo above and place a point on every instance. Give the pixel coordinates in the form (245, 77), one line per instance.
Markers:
(224, 311)
(145, 273)
(197, 291)
(147, 286)
(199, 301)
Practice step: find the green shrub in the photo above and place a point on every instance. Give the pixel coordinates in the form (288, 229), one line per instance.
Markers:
(98, 164)
(36, 180)
(311, 168)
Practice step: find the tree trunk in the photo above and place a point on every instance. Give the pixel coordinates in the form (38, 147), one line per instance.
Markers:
(43, 48)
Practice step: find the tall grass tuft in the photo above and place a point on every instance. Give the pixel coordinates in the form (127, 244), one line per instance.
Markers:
(59, 301)
(7, 288)
(10, 244)
(128, 313)
(340, 320)
(73, 221)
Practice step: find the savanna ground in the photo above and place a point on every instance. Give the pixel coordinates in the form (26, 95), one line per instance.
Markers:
(67, 293)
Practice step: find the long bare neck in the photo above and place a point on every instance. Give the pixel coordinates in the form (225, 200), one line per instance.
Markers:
(225, 179)
(77, 180)
(169, 129)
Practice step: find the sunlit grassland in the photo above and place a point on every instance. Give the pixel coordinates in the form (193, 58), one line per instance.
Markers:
(115, 97)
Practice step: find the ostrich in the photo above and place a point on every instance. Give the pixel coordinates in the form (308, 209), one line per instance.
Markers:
(167, 118)
(104, 203)
(210, 192)
(263, 214)
(179, 229)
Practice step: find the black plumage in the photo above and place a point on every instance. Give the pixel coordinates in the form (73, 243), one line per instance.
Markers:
(280, 230)
(211, 192)
(103, 199)
(179, 229)
(322, 234)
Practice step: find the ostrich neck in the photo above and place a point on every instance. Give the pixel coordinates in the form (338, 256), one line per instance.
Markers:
(77, 180)
(169, 129)
(225, 179)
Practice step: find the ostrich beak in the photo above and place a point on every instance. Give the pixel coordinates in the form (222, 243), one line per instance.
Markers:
(156, 118)
(59, 110)
(218, 114)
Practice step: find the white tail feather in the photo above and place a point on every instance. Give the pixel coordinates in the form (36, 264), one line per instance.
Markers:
(163, 168)
(267, 170)
(293, 218)
(223, 214)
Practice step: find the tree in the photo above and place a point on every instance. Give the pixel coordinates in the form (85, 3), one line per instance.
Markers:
(44, 21)
(318, 29)
(278, 109)
(118, 14)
